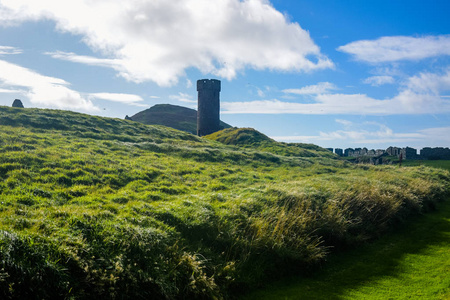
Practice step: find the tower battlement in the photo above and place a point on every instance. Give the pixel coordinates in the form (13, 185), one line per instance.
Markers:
(208, 84)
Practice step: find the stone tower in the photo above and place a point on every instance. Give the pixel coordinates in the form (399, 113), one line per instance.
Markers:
(208, 112)
(17, 103)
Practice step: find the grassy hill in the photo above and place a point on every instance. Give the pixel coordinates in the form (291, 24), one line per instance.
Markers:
(99, 207)
(178, 117)
(252, 139)
(411, 262)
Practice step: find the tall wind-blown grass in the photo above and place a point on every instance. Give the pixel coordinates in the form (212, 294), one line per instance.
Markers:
(95, 207)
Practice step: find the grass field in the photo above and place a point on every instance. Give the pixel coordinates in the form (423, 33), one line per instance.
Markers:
(443, 164)
(95, 207)
(411, 263)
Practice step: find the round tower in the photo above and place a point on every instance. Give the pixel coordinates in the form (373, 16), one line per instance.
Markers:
(208, 112)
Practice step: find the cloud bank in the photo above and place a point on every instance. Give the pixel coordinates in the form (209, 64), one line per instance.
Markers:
(43, 90)
(398, 48)
(379, 80)
(320, 88)
(420, 94)
(158, 40)
(54, 92)
(120, 97)
(7, 50)
(376, 134)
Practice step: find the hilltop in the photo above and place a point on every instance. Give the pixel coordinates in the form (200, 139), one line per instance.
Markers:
(108, 208)
(250, 138)
(178, 117)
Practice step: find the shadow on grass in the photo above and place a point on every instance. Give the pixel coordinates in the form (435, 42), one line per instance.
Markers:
(346, 272)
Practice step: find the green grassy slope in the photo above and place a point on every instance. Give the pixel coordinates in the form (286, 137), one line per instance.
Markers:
(252, 139)
(178, 117)
(411, 263)
(99, 207)
(443, 164)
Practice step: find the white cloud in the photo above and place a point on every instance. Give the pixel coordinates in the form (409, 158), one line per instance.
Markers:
(437, 136)
(188, 83)
(11, 91)
(369, 134)
(43, 90)
(157, 40)
(429, 83)
(54, 92)
(256, 89)
(122, 98)
(261, 93)
(324, 104)
(183, 98)
(357, 139)
(320, 88)
(88, 60)
(406, 102)
(379, 80)
(7, 50)
(419, 95)
(397, 48)
(344, 122)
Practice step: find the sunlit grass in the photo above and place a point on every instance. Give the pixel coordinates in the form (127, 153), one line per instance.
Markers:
(94, 207)
(443, 164)
(412, 263)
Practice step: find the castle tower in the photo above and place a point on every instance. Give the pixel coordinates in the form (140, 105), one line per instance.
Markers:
(208, 112)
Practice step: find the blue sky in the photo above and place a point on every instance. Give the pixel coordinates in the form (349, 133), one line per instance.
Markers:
(334, 73)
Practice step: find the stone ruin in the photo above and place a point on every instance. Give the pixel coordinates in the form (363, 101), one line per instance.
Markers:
(17, 103)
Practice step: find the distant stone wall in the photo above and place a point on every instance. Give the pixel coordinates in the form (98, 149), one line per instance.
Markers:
(435, 153)
(406, 153)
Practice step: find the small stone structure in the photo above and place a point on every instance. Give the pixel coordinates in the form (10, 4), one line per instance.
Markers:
(17, 103)
(208, 112)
